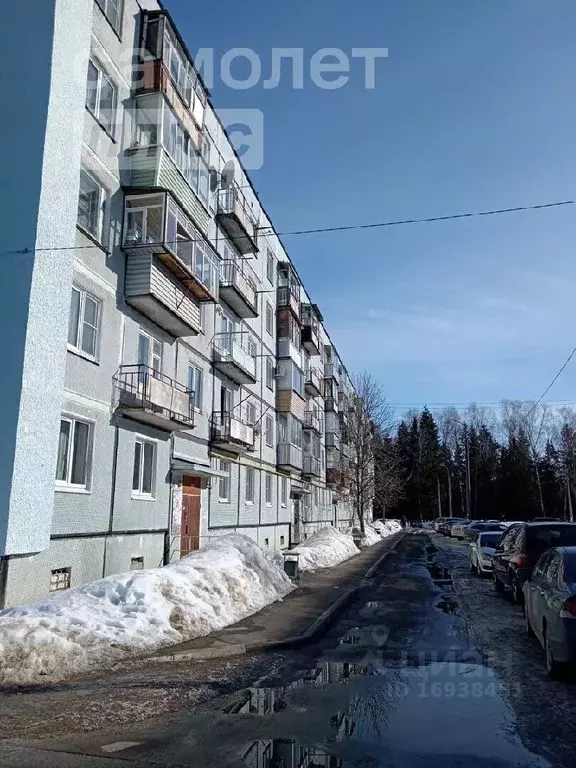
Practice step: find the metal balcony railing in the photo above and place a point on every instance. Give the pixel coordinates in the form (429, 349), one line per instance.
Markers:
(232, 351)
(139, 389)
(311, 465)
(331, 371)
(243, 280)
(313, 380)
(313, 420)
(237, 219)
(289, 455)
(287, 296)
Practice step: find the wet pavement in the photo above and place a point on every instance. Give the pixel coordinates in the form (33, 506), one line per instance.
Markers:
(401, 679)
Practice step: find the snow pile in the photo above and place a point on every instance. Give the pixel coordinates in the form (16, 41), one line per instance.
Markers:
(325, 548)
(387, 527)
(371, 535)
(138, 612)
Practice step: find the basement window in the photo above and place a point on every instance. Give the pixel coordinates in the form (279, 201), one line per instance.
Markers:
(60, 579)
(137, 564)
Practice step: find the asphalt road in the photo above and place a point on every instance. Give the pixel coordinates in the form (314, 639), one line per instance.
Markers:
(428, 667)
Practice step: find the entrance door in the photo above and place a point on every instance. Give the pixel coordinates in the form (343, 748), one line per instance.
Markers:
(191, 502)
(296, 516)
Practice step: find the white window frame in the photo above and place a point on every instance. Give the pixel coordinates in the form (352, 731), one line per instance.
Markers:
(139, 493)
(151, 339)
(269, 424)
(67, 484)
(104, 7)
(270, 373)
(269, 319)
(270, 267)
(250, 488)
(224, 466)
(96, 112)
(268, 493)
(75, 346)
(98, 234)
(55, 582)
(196, 374)
(283, 491)
(251, 413)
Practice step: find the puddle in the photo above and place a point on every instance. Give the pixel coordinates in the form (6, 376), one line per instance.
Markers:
(448, 605)
(374, 636)
(439, 574)
(442, 714)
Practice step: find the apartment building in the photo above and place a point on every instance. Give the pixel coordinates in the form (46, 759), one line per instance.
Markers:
(167, 377)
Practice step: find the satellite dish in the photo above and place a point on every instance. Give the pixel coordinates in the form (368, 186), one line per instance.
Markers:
(213, 176)
(227, 178)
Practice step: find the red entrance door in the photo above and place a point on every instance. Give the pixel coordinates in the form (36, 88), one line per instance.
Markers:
(190, 530)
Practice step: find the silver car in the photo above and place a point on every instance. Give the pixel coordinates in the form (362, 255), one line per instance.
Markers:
(482, 548)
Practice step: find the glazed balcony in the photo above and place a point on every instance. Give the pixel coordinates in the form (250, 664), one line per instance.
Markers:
(331, 371)
(310, 329)
(237, 220)
(311, 466)
(332, 440)
(231, 433)
(238, 288)
(233, 356)
(289, 457)
(146, 395)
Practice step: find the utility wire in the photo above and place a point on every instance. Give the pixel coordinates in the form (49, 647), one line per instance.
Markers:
(554, 380)
(324, 230)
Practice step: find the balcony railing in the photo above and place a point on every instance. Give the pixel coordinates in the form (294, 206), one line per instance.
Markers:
(156, 224)
(289, 297)
(313, 420)
(289, 455)
(311, 465)
(238, 288)
(310, 330)
(234, 357)
(231, 432)
(329, 403)
(149, 396)
(237, 219)
(332, 440)
(313, 382)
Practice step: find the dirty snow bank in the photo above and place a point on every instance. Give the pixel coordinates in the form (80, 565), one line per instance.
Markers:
(371, 536)
(137, 612)
(325, 548)
(386, 527)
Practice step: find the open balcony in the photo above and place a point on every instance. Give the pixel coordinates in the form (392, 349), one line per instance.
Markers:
(234, 357)
(288, 293)
(332, 440)
(146, 395)
(231, 433)
(330, 403)
(311, 329)
(312, 382)
(238, 288)
(313, 420)
(289, 457)
(331, 371)
(237, 220)
(311, 466)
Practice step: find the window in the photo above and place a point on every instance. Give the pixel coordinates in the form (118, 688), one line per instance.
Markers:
(185, 154)
(266, 542)
(73, 452)
(297, 380)
(249, 485)
(101, 96)
(269, 431)
(281, 541)
(269, 373)
(269, 318)
(112, 9)
(270, 267)
(296, 433)
(150, 352)
(250, 413)
(144, 471)
(224, 482)
(268, 490)
(283, 491)
(195, 384)
(83, 322)
(136, 563)
(91, 201)
(60, 579)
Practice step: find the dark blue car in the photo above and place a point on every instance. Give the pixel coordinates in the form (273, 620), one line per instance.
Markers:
(550, 607)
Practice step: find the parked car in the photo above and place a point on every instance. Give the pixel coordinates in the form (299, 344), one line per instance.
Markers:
(457, 530)
(438, 522)
(445, 527)
(546, 520)
(550, 607)
(473, 529)
(482, 548)
(519, 549)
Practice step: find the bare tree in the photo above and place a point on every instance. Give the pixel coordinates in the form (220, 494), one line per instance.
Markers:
(370, 421)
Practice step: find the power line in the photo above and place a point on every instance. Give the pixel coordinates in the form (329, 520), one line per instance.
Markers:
(466, 404)
(324, 230)
(554, 380)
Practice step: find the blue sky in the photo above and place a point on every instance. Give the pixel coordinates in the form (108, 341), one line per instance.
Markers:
(473, 109)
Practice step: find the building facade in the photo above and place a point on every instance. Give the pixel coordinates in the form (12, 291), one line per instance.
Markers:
(168, 378)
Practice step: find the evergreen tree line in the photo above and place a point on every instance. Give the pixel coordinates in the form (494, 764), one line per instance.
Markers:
(516, 462)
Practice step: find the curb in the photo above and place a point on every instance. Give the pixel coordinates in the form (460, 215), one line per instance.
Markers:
(239, 649)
